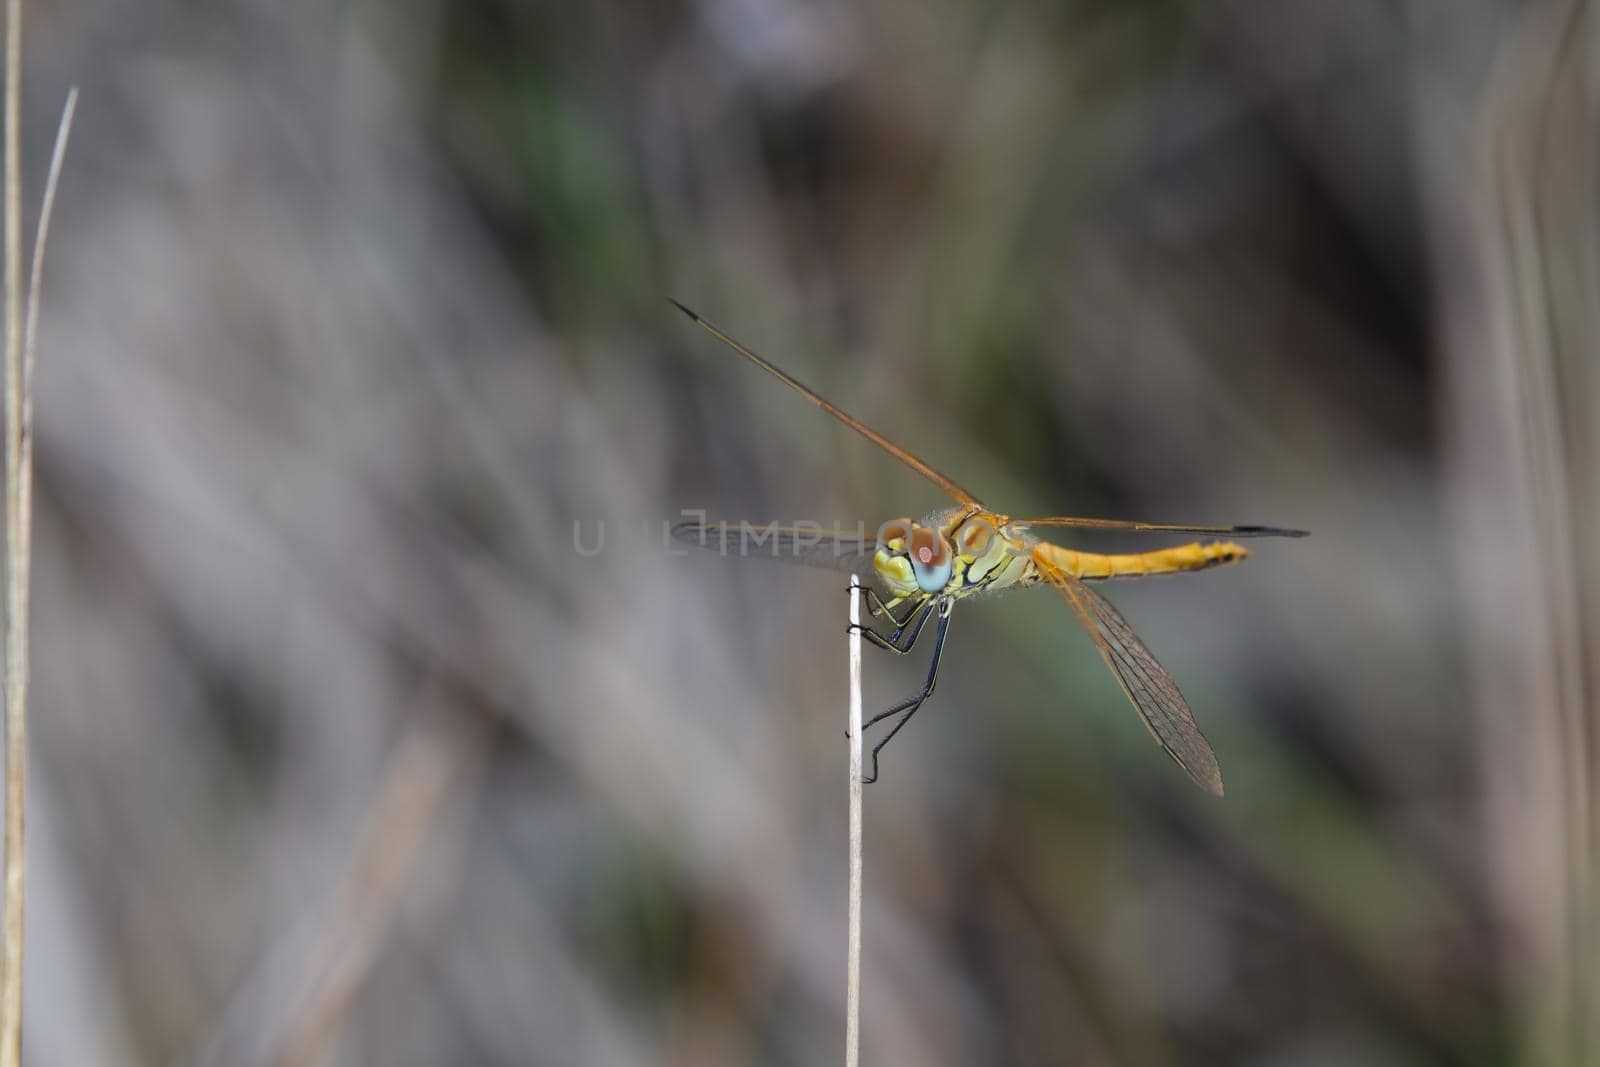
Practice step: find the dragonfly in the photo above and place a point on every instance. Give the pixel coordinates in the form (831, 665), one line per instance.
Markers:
(919, 570)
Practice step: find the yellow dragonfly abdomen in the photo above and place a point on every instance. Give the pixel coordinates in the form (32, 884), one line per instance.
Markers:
(1092, 566)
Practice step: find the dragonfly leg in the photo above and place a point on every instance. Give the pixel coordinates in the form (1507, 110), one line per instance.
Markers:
(908, 707)
(900, 642)
(877, 607)
(897, 644)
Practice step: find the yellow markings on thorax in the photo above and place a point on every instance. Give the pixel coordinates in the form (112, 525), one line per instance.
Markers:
(980, 548)
(982, 554)
(1091, 566)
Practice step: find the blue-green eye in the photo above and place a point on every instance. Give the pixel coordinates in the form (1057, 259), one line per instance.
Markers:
(931, 559)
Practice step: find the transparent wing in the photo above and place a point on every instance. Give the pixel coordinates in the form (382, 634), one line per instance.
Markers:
(1163, 527)
(904, 456)
(1148, 685)
(805, 544)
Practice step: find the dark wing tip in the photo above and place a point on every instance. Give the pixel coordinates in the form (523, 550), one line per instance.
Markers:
(1203, 770)
(692, 316)
(1268, 531)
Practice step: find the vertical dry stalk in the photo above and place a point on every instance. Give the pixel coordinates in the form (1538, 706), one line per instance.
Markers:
(16, 673)
(852, 995)
(19, 352)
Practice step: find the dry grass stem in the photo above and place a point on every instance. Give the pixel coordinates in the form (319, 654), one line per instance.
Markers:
(19, 536)
(16, 563)
(852, 997)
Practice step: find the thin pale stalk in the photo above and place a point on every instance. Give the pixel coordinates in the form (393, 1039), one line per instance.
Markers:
(35, 279)
(19, 540)
(41, 240)
(16, 728)
(852, 995)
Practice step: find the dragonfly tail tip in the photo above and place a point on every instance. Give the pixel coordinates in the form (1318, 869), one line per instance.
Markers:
(686, 311)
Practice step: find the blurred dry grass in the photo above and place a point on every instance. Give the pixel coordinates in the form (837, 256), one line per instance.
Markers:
(344, 754)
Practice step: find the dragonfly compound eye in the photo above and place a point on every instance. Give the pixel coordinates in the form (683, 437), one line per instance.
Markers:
(894, 536)
(931, 559)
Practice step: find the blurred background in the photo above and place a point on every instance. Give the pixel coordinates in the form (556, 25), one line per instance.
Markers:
(374, 722)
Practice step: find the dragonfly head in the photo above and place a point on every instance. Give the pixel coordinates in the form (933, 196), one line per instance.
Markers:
(912, 558)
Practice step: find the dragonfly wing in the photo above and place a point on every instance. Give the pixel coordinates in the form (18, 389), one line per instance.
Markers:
(804, 544)
(1162, 527)
(916, 463)
(1148, 685)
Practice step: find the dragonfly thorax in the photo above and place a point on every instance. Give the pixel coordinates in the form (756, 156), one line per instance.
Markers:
(954, 553)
